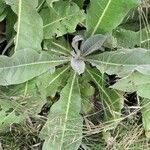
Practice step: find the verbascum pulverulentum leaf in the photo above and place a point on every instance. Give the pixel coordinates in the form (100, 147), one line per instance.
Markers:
(61, 19)
(58, 46)
(111, 100)
(9, 114)
(105, 15)
(79, 2)
(48, 83)
(29, 26)
(63, 129)
(2, 7)
(122, 62)
(130, 39)
(135, 81)
(25, 65)
(50, 2)
(18, 108)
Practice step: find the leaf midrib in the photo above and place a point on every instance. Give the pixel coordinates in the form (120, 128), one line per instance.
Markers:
(35, 63)
(62, 72)
(115, 64)
(18, 24)
(60, 46)
(67, 111)
(59, 20)
(101, 17)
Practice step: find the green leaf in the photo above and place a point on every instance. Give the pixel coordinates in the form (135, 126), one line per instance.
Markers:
(20, 90)
(59, 46)
(122, 62)
(130, 39)
(18, 103)
(110, 42)
(31, 104)
(26, 95)
(29, 27)
(78, 2)
(126, 38)
(2, 7)
(134, 82)
(61, 19)
(141, 84)
(48, 83)
(25, 65)
(9, 113)
(50, 2)
(63, 129)
(111, 100)
(105, 15)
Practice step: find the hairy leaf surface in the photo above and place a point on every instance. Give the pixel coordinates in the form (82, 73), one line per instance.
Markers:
(105, 15)
(29, 26)
(9, 113)
(123, 61)
(58, 46)
(141, 84)
(130, 39)
(48, 83)
(61, 19)
(63, 129)
(135, 82)
(25, 65)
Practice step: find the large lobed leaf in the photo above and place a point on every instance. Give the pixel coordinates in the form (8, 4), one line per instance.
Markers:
(63, 129)
(130, 39)
(141, 84)
(25, 65)
(123, 61)
(61, 19)
(29, 26)
(135, 82)
(105, 15)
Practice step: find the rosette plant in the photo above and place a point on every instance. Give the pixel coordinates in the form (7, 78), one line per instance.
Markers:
(45, 67)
